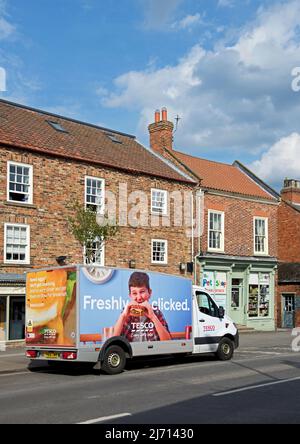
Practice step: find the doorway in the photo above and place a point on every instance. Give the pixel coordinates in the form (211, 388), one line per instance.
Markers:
(3, 318)
(288, 312)
(16, 318)
(237, 300)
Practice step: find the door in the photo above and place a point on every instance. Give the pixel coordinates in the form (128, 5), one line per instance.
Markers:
(2, 319)
(237, 301)
(16, 318)
(288, 315)
(209, 325)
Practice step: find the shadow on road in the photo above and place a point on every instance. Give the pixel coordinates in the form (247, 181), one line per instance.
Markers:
(83, 369)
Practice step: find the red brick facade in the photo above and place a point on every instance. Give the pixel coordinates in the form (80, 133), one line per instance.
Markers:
(59, 182)
(239, 217)
(288, 253)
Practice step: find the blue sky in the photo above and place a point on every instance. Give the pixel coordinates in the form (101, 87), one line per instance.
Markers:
(224, 66)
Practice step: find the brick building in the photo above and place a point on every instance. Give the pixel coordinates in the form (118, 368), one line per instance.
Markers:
(238, 243)
(289, 255)
(46, 163)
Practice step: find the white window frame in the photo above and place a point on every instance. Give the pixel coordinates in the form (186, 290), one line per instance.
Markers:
(101, 207)
(222, 246)
(157, 210)
(266, 252)
(102, 260)
(164, 241)
(30, 194)
(27, 250)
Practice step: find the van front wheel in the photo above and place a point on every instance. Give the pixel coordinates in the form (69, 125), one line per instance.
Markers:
(114, 360)
(225, 349)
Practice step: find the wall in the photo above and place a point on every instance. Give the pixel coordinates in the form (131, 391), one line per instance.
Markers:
(239, 214)
(59, 182)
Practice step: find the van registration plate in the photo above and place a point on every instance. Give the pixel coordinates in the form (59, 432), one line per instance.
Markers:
(51, 355)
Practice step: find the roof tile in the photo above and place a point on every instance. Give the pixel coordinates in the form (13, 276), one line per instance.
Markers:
(28, 128)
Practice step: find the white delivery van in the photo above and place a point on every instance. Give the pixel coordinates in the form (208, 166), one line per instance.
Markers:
(107, 315)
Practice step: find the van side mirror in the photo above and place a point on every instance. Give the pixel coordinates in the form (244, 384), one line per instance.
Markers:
(221, 312)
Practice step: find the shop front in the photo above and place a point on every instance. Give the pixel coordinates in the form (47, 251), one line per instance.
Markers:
(12, 309)
(245, 287)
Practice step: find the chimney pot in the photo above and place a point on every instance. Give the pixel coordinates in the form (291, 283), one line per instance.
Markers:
(164, 114)
(157, 116)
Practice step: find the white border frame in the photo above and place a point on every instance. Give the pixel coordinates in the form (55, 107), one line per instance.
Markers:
(26, 165)
(165, 211)
(27, 254)
(165, 262)
(102, 208)
(259, 253)
(219, 250)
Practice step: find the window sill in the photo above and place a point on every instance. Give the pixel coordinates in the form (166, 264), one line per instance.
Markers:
(160, 264)
(16, 264)
(20, 205)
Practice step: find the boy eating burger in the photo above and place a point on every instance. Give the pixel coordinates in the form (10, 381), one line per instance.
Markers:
(140, 321)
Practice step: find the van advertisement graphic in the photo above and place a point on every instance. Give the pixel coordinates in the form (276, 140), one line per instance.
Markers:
(51, 308)
(141, 306)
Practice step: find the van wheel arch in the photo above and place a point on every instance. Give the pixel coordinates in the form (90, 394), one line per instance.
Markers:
(120, 342)
(226, 348)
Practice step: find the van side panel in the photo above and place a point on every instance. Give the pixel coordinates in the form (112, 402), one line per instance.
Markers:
(51, 308)
(163, 328)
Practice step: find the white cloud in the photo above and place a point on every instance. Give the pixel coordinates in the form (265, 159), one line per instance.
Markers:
(234, 99)
(159, 14)
(226, 3)
(280, 161)
(6, 28)
(188, 22)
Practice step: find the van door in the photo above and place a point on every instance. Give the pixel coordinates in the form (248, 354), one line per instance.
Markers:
(207, 332)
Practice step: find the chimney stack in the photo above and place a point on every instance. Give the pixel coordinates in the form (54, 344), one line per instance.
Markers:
(161, 132)
(291, 191)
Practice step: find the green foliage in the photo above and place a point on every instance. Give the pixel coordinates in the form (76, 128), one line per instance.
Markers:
(89, 227)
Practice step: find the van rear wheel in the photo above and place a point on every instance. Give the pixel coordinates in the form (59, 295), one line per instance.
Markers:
(114, 360)
(225, 350)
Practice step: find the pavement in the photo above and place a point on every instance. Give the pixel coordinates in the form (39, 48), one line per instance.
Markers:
(14, 360)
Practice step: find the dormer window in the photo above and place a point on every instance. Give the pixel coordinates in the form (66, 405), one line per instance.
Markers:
(113, 138)
(57, 126)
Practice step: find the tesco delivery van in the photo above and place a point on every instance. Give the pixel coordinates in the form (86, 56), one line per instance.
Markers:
(107, 315)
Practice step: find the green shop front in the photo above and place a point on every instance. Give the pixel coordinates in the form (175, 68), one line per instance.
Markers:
(245, 287)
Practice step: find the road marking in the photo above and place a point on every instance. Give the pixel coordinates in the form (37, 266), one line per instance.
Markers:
(105, 418)
(259, 352)
(15, 374)
(253, 387)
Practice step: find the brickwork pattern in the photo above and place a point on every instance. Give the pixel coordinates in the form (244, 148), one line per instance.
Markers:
(56, 184)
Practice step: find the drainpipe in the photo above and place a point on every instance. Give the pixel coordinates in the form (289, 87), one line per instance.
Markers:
(199, 196)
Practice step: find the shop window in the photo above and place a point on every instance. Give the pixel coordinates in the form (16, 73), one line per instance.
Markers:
(259, 296)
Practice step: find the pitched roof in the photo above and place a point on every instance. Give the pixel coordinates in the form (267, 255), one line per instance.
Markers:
(37, 130)
(224, 177)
